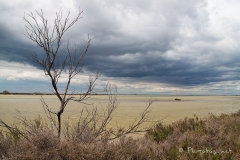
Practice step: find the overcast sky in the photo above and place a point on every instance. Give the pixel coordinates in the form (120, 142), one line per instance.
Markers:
(162, 47)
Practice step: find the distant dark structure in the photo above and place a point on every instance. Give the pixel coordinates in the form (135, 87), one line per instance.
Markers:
(177, 99)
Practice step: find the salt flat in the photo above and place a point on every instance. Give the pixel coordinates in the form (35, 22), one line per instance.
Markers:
(129, 108)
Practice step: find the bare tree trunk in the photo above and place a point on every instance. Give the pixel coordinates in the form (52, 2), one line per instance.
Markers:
(59, 123)
(59, 114)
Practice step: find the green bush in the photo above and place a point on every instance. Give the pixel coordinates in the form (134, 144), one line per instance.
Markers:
(160, 132)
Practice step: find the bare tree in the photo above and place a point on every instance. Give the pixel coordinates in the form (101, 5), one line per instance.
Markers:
(50, 40)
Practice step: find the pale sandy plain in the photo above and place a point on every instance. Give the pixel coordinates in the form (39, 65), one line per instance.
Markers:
(129, 108)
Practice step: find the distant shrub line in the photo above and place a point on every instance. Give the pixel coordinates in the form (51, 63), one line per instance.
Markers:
(5, 92)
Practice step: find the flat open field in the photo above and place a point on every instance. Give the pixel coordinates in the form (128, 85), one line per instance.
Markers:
(129, 108)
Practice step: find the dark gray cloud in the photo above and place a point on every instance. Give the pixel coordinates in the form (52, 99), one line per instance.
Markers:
(181, 43)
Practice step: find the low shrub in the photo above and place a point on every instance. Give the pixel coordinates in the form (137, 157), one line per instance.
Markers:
(214, 137)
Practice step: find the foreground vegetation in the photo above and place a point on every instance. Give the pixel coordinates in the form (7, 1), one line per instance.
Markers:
(214, 137)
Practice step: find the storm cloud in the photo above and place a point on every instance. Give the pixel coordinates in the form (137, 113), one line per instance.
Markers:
(175, 45)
